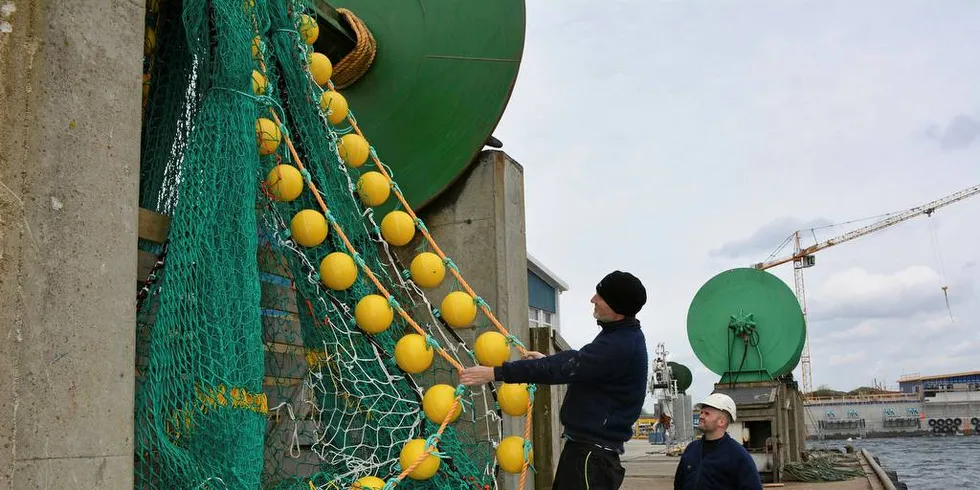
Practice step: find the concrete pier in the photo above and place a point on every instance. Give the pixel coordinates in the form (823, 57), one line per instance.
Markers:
(69, 173)
(649, 468)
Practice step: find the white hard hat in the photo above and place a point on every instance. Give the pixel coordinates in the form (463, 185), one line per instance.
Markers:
(720, 401)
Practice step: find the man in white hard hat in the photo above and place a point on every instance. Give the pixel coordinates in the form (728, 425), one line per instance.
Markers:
(716, 461)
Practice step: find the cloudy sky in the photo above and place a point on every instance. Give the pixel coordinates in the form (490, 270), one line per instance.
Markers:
(680, 139)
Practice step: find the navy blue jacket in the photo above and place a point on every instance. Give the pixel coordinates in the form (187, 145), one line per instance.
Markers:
(728, 467)
(607, 383)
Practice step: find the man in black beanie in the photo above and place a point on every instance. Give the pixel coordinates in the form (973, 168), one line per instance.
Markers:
(607, 383)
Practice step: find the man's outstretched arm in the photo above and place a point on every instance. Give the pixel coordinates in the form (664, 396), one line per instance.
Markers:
(594, 361)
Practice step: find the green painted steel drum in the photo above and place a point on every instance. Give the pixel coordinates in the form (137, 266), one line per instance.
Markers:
(440, 81)
(682, 374)
(746, 324)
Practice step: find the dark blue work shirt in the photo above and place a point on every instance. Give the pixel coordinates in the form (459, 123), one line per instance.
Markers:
(723, 465)
(607, 383)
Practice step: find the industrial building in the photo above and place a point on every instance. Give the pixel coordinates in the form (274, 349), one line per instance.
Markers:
(942, 404)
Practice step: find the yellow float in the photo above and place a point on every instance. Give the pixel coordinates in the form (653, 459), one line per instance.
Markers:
(510, 454)
(353, 149)
(334, 106)
(427, 270)
(513, 398)
(284, 182)
(308, 29)
(309, 228)
(458, 309)
(259, 83)
(398, 228)
(373, 313)
(368, 483)
(373, 188)
(412, 354)
(491, 349)
(257, 48)
(338, 271)
(437, 401)
(320, 68)
(412, 451)
(267, 136)
(149, 41)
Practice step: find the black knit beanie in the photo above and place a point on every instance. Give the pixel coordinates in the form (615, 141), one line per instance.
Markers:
(623, 292)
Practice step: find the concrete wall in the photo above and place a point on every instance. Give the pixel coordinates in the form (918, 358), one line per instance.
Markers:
(872, 415)
(869, 420)
(479, 224)
(70, 74)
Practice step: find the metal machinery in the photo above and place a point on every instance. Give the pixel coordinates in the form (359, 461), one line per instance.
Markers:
(669, 385)
(432, 81)
(803, 258)
(746, 326)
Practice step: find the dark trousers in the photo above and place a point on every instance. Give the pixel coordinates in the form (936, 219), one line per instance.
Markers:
(586, 467)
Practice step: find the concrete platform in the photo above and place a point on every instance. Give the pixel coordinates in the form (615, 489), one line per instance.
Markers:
(649, 468)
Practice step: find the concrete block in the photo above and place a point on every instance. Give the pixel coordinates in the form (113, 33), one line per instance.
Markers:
(96, 473)
(71, 78)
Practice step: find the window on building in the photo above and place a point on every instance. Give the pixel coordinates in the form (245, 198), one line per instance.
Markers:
(540, 318)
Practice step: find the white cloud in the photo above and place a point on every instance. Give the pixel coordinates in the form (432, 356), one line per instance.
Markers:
(858, 293)
(848, 358)
(763, 240)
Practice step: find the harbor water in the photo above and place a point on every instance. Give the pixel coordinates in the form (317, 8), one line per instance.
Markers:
(924, 463)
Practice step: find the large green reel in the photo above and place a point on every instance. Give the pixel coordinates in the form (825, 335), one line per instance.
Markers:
(682, 375)
(439, 83)
(746, 325)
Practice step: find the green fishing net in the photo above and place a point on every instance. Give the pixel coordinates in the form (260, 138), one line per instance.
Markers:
(251, 373)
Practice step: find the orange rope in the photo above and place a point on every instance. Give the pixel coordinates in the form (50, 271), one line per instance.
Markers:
(340, 232)
(350, 247)
(428, 237)
(353, 251)
(459, 277)
(527, 437)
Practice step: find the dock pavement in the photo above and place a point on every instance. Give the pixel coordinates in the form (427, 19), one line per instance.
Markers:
(648, 467)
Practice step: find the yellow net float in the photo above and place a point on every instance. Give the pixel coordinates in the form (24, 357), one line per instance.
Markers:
(427, 270)
(510, 454)
(513, 398)
(284, 182)
(491, 349)
(354, 149)
(398, 228)
(373, 188)
(368, 483)
(146, 86)
(373, 313)
(458, 309)
(412, 354)
(308, 29)
(412, 451)
(437, 401)
(259, 83)
(320, 68)
(338, 271)
(309, 228)
(257, 47)
(334, 106)
(149, 41)
(267, 136)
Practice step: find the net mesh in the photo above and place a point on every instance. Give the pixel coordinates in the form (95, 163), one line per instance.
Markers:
(250, 372)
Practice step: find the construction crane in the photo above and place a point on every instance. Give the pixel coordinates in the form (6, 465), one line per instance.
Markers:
(803, 258)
